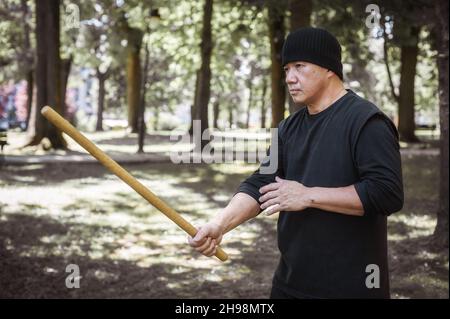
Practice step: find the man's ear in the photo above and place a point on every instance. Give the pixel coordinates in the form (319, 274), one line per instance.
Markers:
(330, 73)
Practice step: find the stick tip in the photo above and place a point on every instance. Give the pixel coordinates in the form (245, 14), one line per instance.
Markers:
(45, 109)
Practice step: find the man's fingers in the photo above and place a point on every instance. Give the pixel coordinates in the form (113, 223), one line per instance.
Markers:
(211, 249)
(205, 245)
(268, 188)
(270, 202)
(268, 195)
(272, 210)
(193, 243)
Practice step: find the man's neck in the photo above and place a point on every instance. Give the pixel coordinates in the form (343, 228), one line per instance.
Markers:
(330, 95)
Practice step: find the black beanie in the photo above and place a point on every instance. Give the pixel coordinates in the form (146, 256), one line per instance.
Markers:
(313, 45)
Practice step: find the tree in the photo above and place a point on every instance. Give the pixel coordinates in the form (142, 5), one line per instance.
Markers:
(263, 103)
(407, 37)
(300, 17)
(29, 56)
(48, 74)
(134, 75)
(276, 15)
(403, 21)
(204, 75)
(441, 230)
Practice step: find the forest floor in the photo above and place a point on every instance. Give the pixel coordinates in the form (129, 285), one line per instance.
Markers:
(55, 214)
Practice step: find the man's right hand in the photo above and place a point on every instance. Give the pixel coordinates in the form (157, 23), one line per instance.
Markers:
(207, 239)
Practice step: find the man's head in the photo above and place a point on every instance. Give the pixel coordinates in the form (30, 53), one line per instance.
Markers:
(311, 58)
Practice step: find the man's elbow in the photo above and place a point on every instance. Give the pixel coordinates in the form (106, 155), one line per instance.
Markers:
(395, 204)
(388, 200)
(398, 203)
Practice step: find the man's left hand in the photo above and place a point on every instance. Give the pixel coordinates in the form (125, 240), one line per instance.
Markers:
(284, 195)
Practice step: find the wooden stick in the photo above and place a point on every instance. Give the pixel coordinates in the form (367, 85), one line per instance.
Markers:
(120, 172)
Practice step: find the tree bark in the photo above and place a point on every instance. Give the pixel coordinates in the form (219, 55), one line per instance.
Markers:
(276, 36)
(28, 58)
(101, 77)
(201, 104)
(30, 92)
(230, 117)
(216, 112)
(48, 74)
(142, 104)
(133, 76)
(263, 104)
(194, 110)
(406, 121)
(441, 232)
(388, 69)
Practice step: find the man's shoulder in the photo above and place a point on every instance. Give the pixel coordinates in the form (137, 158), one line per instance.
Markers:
(359, 111)
(359, 107)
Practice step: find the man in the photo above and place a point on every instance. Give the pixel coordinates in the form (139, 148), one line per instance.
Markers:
(338, 178)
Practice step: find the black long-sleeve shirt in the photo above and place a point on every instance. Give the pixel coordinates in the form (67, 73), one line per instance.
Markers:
(326, 254)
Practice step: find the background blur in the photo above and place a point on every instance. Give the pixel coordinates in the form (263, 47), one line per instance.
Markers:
(128, 74)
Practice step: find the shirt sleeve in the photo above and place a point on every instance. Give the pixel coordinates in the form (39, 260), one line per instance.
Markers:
(271, 166)
(378, 161)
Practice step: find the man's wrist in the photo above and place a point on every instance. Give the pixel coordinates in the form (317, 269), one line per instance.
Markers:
(311, 197)
(220, 221)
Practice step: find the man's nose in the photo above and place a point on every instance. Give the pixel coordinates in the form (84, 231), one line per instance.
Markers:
(290, 77)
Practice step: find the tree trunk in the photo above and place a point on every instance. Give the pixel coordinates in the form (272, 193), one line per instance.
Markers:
(29, 59)
(156, 119)
(406, 121)
(194, 110)
(205, 70)
(301, 11)
(276, 36)
(30, 92)
(249, 107)
(142, 104)
(230, 116)
(48, 74)
(216, 112)
(441, 230)
(133, 76)
(263, 104)
(101, 77)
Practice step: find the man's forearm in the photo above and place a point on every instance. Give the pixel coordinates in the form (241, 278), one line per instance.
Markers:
(241, 208)
(344, 200)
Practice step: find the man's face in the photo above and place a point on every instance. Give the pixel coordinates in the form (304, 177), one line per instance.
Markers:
(305, 80)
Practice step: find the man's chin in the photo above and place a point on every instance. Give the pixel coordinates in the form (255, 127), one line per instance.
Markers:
(298, 100)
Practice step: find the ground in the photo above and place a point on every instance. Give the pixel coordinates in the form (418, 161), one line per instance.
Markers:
(56, 214)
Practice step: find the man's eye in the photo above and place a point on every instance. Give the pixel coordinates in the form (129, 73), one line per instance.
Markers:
(299, 66)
